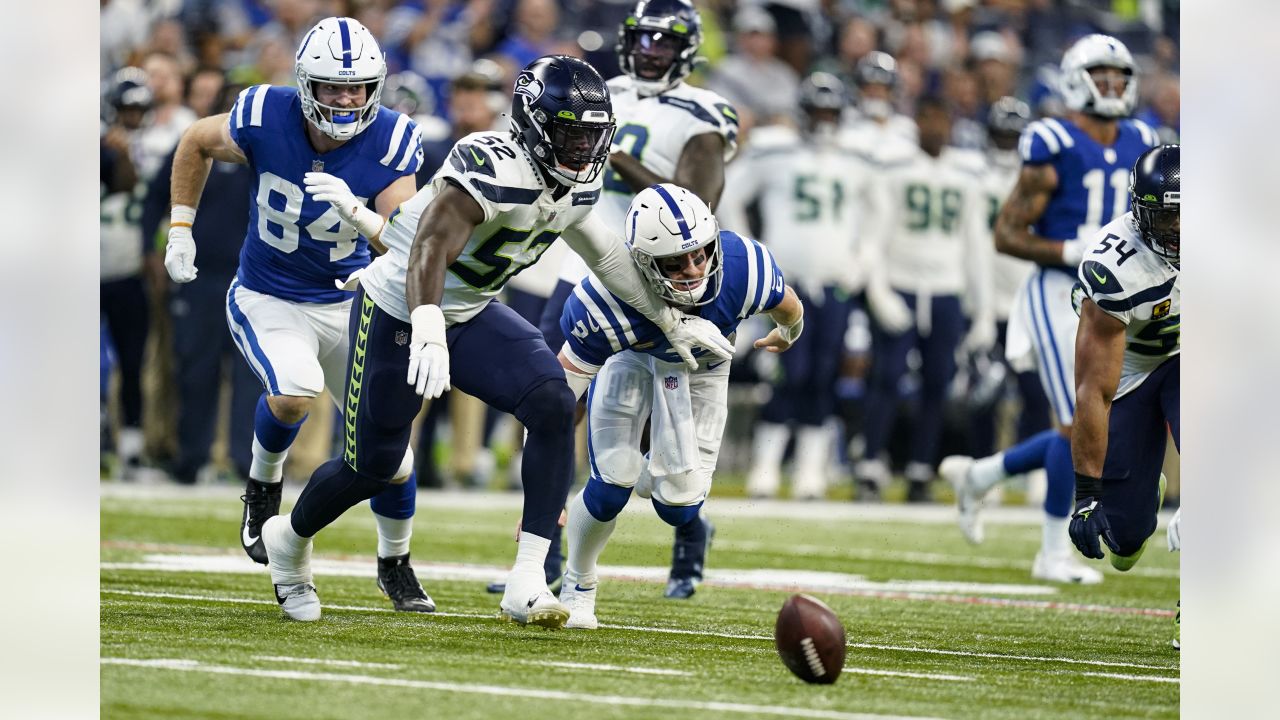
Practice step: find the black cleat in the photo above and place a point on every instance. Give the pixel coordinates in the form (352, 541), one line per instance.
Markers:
(919, 492)
(261, 501)
(868, 491)
(688, 557)
(398, 582)
(681, 588)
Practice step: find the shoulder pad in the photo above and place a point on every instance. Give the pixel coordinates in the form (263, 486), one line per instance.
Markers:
(1043, 140)
(489, 167)
(403, 144)
(1149, 137)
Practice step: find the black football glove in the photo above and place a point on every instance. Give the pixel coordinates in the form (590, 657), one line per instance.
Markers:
(1089, 522)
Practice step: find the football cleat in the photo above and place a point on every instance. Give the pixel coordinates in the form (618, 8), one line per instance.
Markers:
(582, 606)
(290, 564)
(261, 501)
(398, 582)
(919, 492)
(688, 558)
(528, 601)
(1064, 568)
(1177, 628)
(681, 588)
(955, 470)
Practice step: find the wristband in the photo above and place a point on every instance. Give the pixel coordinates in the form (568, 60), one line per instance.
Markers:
(791, 333)
(367, 222)
(1087, 486)
(182, 216)
(427, 323)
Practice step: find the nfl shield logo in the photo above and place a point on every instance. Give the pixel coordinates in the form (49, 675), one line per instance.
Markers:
(402, 337)
(317, 166)
(671, 382)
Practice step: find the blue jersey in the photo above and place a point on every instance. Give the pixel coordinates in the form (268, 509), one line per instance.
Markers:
(596, 324)
(1093, 180)
(297, 246)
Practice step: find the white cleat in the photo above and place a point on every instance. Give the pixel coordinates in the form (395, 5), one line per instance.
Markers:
(763, 482)
(528, 601)
(955, 470)
(582, 606)
(289, 562)
(1064, 568)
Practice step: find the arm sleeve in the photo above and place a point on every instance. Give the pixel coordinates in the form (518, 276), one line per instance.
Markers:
(585, 339)
(605, 253)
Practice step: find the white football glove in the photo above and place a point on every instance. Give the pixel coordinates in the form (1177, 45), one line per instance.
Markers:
(331, 189)
(1175, 532)
(981, 337)
(180, 252)
(889, 309)
(1073, 252)
(428, 352)
(685, 332)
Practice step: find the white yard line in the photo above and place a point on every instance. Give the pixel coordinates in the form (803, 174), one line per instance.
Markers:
(898, 673)
(1145, 678)
(682, 705)
(327, 661)
(607, 668)
(666, 631)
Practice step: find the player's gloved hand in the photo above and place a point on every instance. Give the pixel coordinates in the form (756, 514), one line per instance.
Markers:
(1073, 252)
(333, 190)
(889, 309)
(428, 352)
(1089, 522)
(685, 332)
(1175, 532)
(180, 252)
(981, 336)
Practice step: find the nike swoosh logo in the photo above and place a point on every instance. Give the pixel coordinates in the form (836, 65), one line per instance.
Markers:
(479, 160)
(713, 367)
(579, 588)
(246, 538)
(1102, 279)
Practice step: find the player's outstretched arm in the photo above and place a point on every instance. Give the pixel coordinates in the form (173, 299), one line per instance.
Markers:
(207, 139)
(1024, 207)
(789, 316)
(441, 235)
(700, 169)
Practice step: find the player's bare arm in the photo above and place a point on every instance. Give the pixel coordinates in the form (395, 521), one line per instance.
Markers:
(442, 234)
(701, 167)
(789, 316)
(388, 200)
(1099, 360)
(207, 139)
(1024, 207)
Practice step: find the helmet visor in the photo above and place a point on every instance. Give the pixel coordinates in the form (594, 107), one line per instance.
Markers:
(653, 52)
(1161, 226)
(577, 145)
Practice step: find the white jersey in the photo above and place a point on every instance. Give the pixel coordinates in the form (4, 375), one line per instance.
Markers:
(655, 130)
(523, 216)
(1008, 272)
(1132, 283)
(815, 202)
(885, 142)
(934, 238)
(120, 234)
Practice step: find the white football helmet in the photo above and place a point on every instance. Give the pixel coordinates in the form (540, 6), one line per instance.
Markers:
(667, 221)
(1078, 89)
(340, 51)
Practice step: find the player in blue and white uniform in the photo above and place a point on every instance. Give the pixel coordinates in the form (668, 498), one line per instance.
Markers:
(633, 375)
(424, 312)
(1128, 355)
(1075, 171)
(320, 152)
(668, 131)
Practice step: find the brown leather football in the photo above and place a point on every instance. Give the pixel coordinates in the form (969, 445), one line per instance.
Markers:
(810, 639)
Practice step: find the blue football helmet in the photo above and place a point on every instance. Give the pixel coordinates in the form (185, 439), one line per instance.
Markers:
(657, 44)
(561, 114)
(1155, 191)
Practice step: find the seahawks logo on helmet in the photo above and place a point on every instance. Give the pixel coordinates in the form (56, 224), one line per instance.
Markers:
(529, 86)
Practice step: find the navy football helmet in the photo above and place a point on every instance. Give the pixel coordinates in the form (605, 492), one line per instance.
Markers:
(561, 114)
(1155, 190)
(823, 99)
(657, 44)
(1006, 120)
(877, 68)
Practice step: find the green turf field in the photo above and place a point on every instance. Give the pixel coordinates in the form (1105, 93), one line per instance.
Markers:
(936, 628)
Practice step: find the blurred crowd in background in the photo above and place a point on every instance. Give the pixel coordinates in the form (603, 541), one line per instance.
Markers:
(177, 398)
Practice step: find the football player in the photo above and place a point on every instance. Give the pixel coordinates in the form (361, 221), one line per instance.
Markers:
(815, 199)
(668, 131)
(876, 129)
(1075, 171)
(423, 311)
(320, 152)
(1128, 353)
(626, 367)
(927, 260)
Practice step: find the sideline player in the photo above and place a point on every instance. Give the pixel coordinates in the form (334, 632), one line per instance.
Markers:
(695, 266)
(668, 131)
(1075, 171)
(1128, 360)
(423, 311)
(285, 312)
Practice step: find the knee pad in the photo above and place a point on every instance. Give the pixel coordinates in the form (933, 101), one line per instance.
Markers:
(676, 515)
(604, 501)
(548, 407)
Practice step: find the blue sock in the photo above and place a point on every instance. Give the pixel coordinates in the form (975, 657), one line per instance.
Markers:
(273, 435)
(397, 501)
(1060, 497)
(1031, 453)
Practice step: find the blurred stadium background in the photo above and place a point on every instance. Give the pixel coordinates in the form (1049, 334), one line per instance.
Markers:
(164, 63)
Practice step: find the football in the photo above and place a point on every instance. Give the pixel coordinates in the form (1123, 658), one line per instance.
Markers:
(810, 639)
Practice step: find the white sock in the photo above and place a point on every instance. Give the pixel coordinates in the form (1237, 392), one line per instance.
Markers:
(300, 549)
(986, 472)
(129, 443)
(587, 538)
(813, 456)
(267, 466)
(1054, 535)
(531, 555)
(393, 535)
(770, 443)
